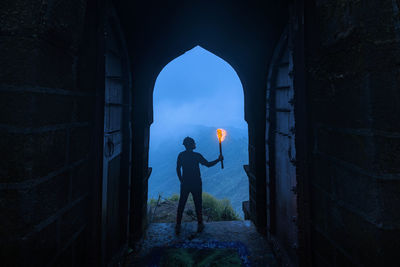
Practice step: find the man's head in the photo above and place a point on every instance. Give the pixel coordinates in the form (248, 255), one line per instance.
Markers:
(189, 143)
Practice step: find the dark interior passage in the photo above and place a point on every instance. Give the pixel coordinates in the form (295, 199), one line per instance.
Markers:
(321, 101)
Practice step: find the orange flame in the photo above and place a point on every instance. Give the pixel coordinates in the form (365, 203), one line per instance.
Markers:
(221, 133)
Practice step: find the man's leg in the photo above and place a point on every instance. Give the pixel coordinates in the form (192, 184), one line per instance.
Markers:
(198, 203)
(182, 202)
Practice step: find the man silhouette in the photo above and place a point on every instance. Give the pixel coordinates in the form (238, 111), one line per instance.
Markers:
(190, 179)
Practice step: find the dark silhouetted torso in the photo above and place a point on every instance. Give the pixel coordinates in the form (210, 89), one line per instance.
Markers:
(189, 161)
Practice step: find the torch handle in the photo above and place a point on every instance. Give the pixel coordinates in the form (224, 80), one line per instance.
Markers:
(220, 152)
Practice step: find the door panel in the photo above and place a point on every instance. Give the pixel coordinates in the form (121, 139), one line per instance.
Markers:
(113, 120)
(114, 91)
(281, 152)
(282, 97)
(283, 123)
(282, 77)
(117, 143)
(113, 220)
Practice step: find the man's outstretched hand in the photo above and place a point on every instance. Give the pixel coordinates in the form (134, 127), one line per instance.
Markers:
(220, 158)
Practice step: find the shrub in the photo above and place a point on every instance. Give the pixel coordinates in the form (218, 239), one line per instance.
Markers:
(213, 209)
(174, 197)
(153, 202)
(218, 210)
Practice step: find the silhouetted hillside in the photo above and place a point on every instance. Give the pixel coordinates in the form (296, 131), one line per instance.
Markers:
(230, 182)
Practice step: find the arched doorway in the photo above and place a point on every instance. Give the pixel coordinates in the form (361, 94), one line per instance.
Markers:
(193, 95)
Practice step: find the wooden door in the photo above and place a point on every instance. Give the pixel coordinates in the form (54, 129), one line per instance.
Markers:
(281, 152)
(117, 143)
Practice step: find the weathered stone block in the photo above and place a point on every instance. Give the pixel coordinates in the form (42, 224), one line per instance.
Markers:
(26, 208)
(354, 234)
(35, 110)
(41, 248)
(16, 108)
(323, 247)
(80, 143)
(341, 100)
(66, 257)
(389, 198)
(322, 176)
(36, 249)
(344, 58)
(60, 21)
(81, 180)
(83, 109)
(10, 253)
(81, 253)
(49, 152)
(355, 148)
(359, 192)
(378, 21)
(342, 260)
(385, 99)
(21, 16)
(14, 225)
(336, 18)
(320, 261)
(73, 220)
(390, 247)
(387, 156)
(320, 205)
(383, 53)
(64, 22)
(365, 149)
(45, 199)
(21, 55)
(31, 156)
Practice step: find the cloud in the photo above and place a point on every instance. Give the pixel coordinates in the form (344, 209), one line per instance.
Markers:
(196, 88)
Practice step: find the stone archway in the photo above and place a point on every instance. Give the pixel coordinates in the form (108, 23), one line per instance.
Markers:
(249, 56)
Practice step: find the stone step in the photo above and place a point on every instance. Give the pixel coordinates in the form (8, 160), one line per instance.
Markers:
(239, 235)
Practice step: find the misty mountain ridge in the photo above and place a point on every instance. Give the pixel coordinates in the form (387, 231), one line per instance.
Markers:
(230, 182)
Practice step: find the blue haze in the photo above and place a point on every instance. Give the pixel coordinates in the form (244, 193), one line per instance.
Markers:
(193, 95)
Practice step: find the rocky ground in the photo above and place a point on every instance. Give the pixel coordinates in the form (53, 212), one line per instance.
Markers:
(220, 244)
(164, 210)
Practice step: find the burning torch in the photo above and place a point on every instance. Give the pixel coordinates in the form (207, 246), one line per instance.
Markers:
(221, 133)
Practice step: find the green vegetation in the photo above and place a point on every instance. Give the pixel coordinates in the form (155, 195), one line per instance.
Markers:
(213, 209)
(174, 197)
(218, 209)
(188, 257)
(152, 202)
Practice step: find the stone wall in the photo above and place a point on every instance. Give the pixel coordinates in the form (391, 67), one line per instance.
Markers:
(47, 121)
(46, 132)
(353, 55)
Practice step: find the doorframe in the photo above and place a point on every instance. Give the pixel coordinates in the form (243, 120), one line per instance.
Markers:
(99, 214)
(281, 47)
(303, 138)
(303, 133)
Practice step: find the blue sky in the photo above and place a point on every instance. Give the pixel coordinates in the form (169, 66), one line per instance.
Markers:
(197, 88)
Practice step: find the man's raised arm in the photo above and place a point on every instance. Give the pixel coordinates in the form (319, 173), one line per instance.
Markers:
(209, 164)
